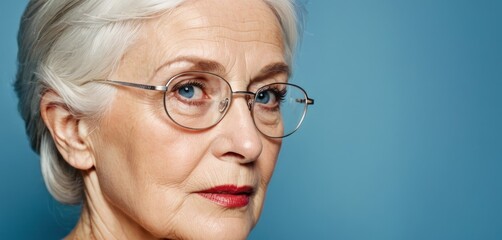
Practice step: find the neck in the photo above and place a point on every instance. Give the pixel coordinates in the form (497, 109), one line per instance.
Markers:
(99, 219)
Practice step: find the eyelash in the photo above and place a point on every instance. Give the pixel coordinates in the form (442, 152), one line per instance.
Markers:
(189, 83)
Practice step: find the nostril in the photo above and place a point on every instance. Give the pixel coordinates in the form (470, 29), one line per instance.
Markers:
(236, 157)
(223, 105)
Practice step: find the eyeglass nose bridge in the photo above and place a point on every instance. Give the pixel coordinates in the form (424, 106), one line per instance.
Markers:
(249, 97)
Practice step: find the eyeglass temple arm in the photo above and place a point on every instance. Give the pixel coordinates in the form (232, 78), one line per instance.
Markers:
(135, 85)
(309, 101)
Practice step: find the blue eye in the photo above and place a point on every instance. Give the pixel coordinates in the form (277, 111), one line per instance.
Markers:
(264, 97)
(191, 91)
(187, 91)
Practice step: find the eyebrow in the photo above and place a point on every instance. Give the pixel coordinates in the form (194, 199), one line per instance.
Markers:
(273, 69)
(199, 64)
(207, 65)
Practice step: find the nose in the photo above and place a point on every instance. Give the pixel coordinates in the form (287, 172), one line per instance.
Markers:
(238, 139)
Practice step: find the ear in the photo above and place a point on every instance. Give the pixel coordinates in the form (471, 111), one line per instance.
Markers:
(70, 134)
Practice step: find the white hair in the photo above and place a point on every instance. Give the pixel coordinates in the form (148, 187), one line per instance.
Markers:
(63, 44)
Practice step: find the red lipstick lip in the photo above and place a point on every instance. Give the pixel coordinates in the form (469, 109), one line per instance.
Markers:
(229, 196)
(229, 189)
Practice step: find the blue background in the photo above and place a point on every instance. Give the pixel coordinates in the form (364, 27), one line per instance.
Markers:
(404, 140)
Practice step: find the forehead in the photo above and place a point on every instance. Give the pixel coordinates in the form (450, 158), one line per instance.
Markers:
(239, 34)
(239, 20)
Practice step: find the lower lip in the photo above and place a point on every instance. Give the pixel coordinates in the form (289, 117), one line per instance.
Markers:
(227, 200)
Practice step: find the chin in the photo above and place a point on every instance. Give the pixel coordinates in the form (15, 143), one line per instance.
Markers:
(224, 229)
(206, 221)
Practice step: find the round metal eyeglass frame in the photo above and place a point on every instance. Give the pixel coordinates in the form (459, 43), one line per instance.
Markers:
(228, 101)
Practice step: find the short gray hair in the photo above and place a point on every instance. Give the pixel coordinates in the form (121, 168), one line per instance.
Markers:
(63, 44)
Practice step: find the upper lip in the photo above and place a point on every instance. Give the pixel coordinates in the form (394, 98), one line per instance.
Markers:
(229, 189)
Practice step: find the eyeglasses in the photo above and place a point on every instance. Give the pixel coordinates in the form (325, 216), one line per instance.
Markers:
(199, 100)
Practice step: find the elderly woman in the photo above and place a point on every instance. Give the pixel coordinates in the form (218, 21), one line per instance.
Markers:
(163, 118)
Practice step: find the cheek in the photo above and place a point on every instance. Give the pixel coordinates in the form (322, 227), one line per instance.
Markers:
(160, 157)
(271, 148)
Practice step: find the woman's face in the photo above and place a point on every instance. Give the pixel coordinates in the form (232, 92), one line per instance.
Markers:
(151, 171)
